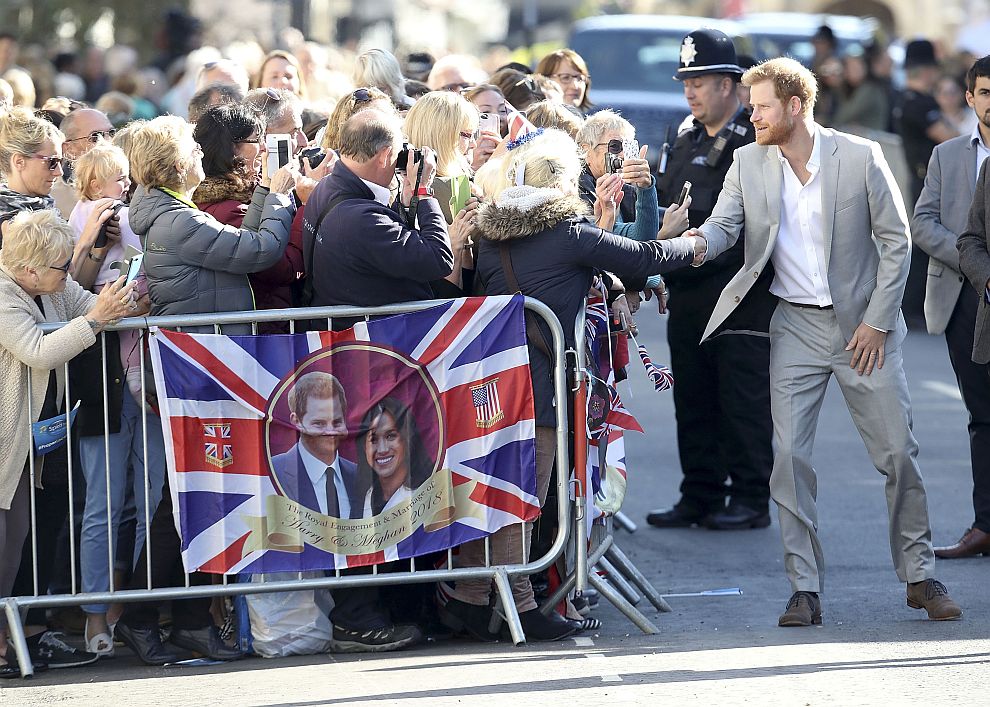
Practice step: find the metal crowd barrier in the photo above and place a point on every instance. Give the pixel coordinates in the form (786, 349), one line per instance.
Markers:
(501, 575)
(600, 550)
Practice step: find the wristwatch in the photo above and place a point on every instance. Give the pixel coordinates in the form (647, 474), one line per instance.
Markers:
(424, 191)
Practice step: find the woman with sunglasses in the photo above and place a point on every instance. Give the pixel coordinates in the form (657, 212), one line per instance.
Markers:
(358, 100)
(30, 164)
(448, 123)
(36, 287)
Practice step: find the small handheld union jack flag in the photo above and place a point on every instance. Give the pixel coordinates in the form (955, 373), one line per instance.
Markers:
(661, 376)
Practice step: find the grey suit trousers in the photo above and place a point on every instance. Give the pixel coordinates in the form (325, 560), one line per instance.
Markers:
(806, 350)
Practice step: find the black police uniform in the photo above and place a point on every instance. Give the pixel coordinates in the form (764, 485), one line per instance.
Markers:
(722, 389)
(914, 114)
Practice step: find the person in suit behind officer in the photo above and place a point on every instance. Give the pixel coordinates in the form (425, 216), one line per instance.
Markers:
(724, 381)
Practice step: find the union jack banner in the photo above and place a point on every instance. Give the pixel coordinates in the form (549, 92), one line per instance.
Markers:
(284, 415)
(218, 453)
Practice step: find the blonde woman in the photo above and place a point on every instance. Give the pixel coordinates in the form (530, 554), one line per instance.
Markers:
(36, 287)
(358, 100)
(447, 123)
(379, 68)
(536, 220)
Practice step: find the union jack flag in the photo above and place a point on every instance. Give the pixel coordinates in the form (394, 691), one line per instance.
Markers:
(228, 388)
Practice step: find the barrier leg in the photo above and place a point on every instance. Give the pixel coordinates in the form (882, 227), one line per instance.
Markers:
(631, 612)
(627, 568)
(15, 638)
(509, 607)
(617, 580)
(625, 522)
(569, 582)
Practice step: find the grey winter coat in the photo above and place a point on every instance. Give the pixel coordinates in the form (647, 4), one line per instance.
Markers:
(195, 264)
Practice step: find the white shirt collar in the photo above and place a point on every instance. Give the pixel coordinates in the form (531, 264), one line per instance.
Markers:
(815, 161)
(316, 470)
(382, 195)
(977, 137)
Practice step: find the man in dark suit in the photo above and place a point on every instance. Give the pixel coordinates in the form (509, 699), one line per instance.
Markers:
(950, 307)
(312, 472)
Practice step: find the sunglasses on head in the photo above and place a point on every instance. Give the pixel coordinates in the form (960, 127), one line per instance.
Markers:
(94, 137)
(361, 95)
(470, 135)
(53, 161)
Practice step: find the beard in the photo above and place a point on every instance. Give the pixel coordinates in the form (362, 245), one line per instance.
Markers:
(778, 133)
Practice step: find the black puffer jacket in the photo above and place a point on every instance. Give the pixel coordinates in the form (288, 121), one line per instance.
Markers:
(555, 252)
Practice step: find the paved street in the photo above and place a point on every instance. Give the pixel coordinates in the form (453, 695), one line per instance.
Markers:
(872, 648)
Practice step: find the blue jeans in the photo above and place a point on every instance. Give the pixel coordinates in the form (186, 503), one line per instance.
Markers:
(124, 467)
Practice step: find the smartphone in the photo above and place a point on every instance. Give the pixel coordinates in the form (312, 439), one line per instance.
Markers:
(684, 193)
(102, 237)
(279, 147)
(490, 123)
(630, 149)
(134, 268)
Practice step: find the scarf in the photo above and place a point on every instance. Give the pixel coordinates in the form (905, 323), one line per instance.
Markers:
(13, 202)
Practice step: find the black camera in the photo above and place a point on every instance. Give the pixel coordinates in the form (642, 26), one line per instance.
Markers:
(613, 157)
(403, 157)
(314, 155)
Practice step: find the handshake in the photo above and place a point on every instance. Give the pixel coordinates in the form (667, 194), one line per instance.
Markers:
(700, 245)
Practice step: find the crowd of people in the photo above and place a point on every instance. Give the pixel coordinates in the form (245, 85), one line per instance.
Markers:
(407, 184)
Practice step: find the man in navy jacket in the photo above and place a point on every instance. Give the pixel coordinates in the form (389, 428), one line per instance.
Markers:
(367, 253)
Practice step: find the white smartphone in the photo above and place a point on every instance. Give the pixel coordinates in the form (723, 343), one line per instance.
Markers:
(489, 122)
(279, 148)
(630, 149)
(134, 268)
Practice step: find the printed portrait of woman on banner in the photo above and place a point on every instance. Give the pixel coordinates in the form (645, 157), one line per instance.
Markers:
(390, 454)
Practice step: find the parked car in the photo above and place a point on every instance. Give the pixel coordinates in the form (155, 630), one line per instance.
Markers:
(776, 34)
(632, 60)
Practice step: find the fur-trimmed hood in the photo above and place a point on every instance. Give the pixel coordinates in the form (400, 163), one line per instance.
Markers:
(519, 212)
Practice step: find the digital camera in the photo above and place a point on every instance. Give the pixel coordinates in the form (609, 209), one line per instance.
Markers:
(403, 157)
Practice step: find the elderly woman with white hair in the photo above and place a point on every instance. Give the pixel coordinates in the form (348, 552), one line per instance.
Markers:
(35, 287)
(537, 240)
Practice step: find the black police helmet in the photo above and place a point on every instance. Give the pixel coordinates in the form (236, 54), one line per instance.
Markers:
(707, 51)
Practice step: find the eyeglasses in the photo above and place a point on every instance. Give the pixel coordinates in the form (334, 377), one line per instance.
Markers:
(469, 135)
(569, 78)
(249, 141)
(54, 161)
(94, 137)
(458, 87)
(361, 95)
(63, 268)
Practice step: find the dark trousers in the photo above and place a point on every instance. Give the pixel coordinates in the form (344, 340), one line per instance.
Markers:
(166, 571)
(51, 512)
(722, 405)
(974, 385)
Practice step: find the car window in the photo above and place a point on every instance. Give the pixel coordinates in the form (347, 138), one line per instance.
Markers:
(630, 60)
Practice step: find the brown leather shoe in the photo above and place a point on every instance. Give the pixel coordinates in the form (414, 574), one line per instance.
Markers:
(932, 596)
(803, 609)
(973, 542)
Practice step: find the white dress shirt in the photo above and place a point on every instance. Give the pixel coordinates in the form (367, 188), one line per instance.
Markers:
(382, 195)
(316, 470)
(799, 253)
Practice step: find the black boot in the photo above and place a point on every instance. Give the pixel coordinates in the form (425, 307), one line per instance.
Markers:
(538, 627)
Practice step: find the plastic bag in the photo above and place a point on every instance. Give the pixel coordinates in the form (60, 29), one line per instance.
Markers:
(289, 623)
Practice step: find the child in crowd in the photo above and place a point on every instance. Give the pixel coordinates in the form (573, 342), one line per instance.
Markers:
(99, 174)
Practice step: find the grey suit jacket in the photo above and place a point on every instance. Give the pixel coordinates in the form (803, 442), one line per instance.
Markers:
(939, 218)
(974, 261)
(867, 238)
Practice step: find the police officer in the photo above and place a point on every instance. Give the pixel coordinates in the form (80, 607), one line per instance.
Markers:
(918, 120)
(722, 394)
